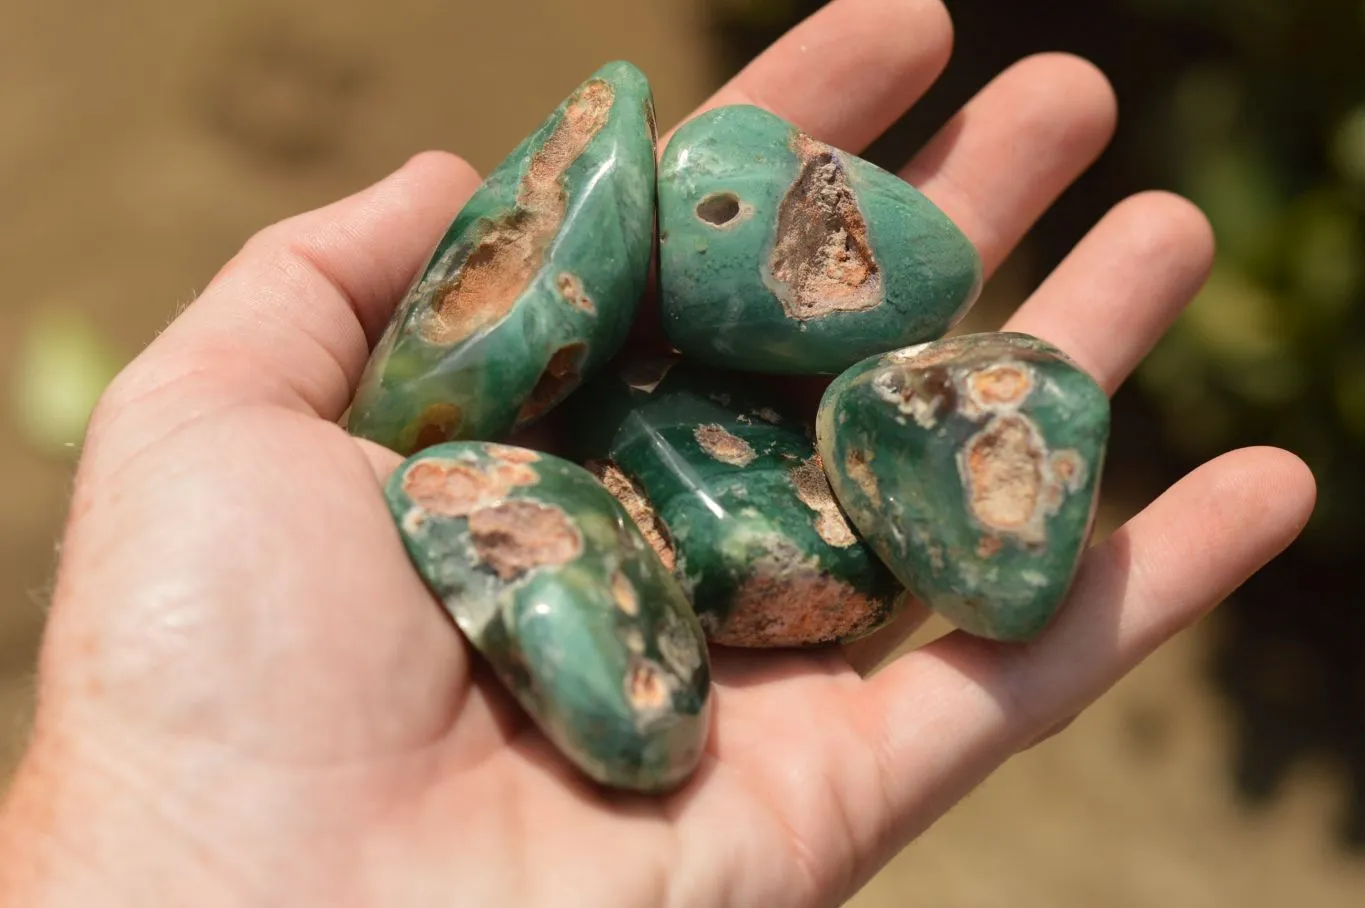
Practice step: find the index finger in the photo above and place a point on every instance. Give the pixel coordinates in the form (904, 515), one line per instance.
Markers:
(848, 71)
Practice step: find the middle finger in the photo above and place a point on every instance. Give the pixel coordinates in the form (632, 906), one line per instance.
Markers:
(997, 165)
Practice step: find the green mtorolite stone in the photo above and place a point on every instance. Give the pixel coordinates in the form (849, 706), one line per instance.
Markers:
(780, 254)
(551, 581)
(534, 284)
(728, 488)
(972, 466)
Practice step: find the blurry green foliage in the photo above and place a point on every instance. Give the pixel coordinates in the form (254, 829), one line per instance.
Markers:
(1267, 135)
(64, 364)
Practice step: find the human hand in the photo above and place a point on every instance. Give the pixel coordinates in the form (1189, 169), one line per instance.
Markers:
(247, 696)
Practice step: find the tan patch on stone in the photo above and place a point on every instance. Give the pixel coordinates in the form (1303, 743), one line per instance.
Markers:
(413, 520)
(933, 353)
(768, 414)
(856, 465)
(790, 602)
(571, 288)
(680, 649)
(1008, 476)
(812, 487)
(822, 261)
(623, 592)
(906, 354)
(998, 389)
(1006, 384)
(435, 425)
(988, 546)
(1004, 475)
(919, 393)
(511, 250)
(514, 474)
(1069, 468)
(632, 499)
(562, 374)
(634, 639)
(722, 446)
(512, 454)
(515, 537)
(649, 688)
(456, 488)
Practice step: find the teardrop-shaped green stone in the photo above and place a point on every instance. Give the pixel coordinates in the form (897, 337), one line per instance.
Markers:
(972, 466)
(725, 481)
(780, 254)
(551, 581)
(534, 285)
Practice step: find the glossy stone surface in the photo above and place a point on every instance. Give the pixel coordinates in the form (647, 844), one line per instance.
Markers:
(972, 466)
(534, 284)
(781, 254)
(551, 581)
(727, 486)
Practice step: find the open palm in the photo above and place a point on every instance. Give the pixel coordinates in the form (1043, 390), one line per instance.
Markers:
(247, 696)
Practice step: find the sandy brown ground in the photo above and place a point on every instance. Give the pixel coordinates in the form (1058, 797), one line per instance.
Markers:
(144, 140)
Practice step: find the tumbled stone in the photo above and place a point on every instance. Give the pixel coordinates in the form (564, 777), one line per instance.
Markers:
(535, 283)
(550, 580)
(781, 254)
(972, 466)
(726, 484)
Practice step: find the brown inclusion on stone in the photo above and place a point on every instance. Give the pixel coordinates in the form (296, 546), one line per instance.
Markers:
(451, 488)
(562, 374)
(788, 601)
(1001, 385)
(436, 424)
(515, 537)
(632, 498)
(511, 250)
(822, 260)
(1004, 473)
(719, 444)
(812, 487)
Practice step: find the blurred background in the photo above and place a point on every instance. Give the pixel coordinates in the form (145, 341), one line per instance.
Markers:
(143, 141)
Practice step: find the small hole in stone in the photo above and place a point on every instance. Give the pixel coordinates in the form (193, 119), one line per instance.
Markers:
(720, 208)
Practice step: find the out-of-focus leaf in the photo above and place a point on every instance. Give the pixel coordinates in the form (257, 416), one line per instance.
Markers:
(1237, 327)
(1348, 147)
(1234, 318)
(1206, 107)
(64, 364)
(1198, 420)
(1350, 392)
(1326, 256)
(1237, 188)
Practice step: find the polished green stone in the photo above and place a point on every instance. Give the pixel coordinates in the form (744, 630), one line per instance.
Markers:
(533, 286)
(780, 254)
(725, 482)
(551, 581)
(972, 466)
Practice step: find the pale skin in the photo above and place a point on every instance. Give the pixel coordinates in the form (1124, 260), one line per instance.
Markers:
(247, 697)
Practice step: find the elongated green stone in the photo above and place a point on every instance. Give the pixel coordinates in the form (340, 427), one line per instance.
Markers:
(727, 486)
(535, 283)
(781, 254)
(972, 466)
(551, 581)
